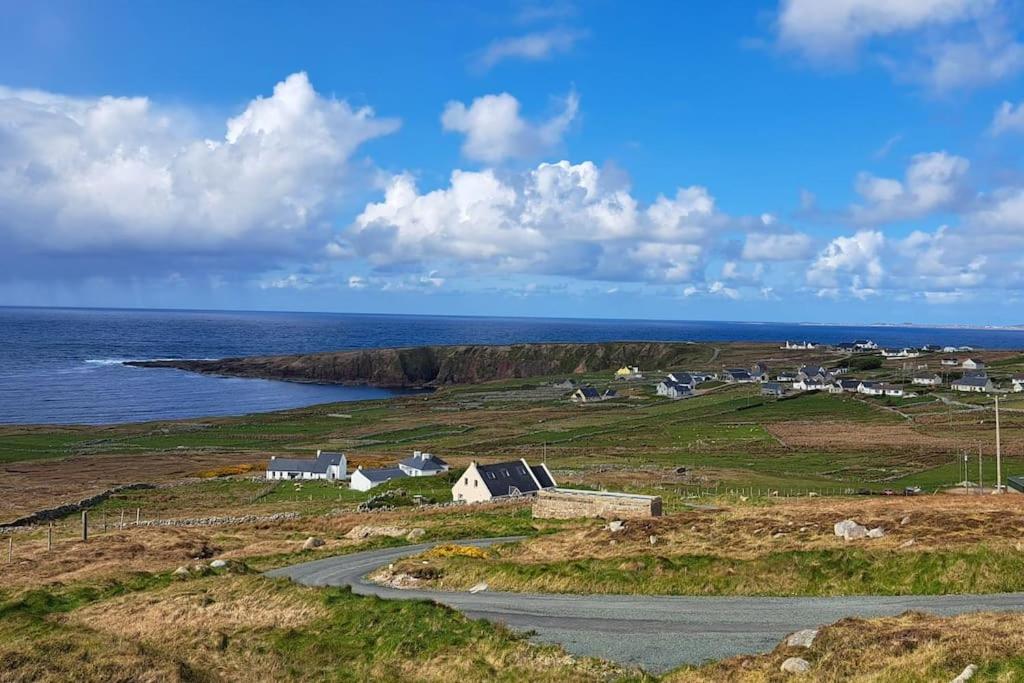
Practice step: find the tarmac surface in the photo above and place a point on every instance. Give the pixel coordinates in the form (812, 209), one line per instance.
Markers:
(655, 632)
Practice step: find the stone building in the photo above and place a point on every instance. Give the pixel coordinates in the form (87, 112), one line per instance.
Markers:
(558, 503)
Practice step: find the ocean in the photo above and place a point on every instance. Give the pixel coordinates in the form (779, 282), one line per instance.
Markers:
(65, 365)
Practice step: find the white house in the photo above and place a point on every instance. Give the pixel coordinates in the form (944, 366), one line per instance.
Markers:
(865, 345)
(511, 479)
(331, 466)
(950, 362)
(871, 389)
(759, 371)
(972, 364)
(1018, 382)
(798, 346)
(737, 376)
(976, 384)
(927, 379)
(364, 479)
(421, 464)
(685, 379)
(892, 390)
(671, 389)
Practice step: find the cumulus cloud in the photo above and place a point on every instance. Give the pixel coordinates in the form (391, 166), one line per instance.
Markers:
(956, 43)
(535, 46)
(121, 174)
(495, 131)
(1008, 119)
(933, 182)
(854, 259)
(557, 219)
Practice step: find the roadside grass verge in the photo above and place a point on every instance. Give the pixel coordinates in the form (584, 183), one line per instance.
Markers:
(228, 627)
(909, 647)
(790, 573)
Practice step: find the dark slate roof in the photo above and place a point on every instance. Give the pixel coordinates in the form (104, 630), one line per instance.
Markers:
(871, 384)
(975, 373)
(684, 378)
(504, 478)
(429, 463)
(772, 387)
(589, 392)
(542, 476)
(849, 383)
(383, 474)
(972, 381)
(316, 465)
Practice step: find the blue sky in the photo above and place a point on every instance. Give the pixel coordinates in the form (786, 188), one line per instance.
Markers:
(857, 161)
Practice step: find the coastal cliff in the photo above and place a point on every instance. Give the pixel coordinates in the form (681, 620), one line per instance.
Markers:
(432, 366)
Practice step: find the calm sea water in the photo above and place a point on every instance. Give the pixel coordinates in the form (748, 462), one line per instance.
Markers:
(64, 365)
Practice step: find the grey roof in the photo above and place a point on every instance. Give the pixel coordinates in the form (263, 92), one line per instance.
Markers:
(589, 392)
(849, 383)
(425, 462)
(684, 378)
(383, 474)
(505, 478)
(771, 387)
(317, 465)
(972, 381)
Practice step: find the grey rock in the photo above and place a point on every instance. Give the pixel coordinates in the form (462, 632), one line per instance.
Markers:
(795, 665)
(218, 564)
(850, 530)
(804, 638)
(877, 532)
(482, 586)
(967, 674)
(312, 542)
(616, 525)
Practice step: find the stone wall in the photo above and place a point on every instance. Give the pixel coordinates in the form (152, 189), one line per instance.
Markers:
(571, 503)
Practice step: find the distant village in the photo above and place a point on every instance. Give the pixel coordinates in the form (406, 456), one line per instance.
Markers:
(960, 372)
(479, 483)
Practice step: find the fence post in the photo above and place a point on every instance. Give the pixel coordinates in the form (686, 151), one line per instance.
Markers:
(85, 525)
(10, 549)
(122, 519)
(49, 537)
(104, 521)
(138, 515)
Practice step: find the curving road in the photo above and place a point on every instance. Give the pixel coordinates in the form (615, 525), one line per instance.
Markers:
(657, 633)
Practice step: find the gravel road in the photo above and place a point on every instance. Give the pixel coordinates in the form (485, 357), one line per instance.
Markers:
(657, 633)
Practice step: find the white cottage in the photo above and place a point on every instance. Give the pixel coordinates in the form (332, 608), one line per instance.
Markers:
(366, 479)
(421, 464)
(480, 483)
(325, 466)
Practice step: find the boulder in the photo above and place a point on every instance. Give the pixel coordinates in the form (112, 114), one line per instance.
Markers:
(362, 531)
(967, 674)
(312, 542)
(850, 530)
(804, 638)
(795, 665)
(218, 564)
(616, 525)
(482, 586)
(416, 534)
(180, 573)
(905, 521)
(653, 539)
(877, 532)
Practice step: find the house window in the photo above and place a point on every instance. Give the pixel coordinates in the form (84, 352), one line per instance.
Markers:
(466, 481)
(475, 482)
(491, 475)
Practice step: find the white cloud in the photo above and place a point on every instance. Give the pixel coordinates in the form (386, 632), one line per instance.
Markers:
(537, 46)
(558, 219)
(933, 182)
(762, 246)
(848, 257)
(117, 174)
(944, 44)
(836, 29)
(1008, 119)
(720, 289)
(356, 282)
(495, 131)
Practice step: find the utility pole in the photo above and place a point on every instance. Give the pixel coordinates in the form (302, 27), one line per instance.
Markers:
(999, 454)
(981, 484)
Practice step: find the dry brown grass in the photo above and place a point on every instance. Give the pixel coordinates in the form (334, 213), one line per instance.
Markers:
(909, 647)
(744, 532)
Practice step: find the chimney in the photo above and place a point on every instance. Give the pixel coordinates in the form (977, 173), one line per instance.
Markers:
(273, 457)
(318, 452)
(416, 454)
